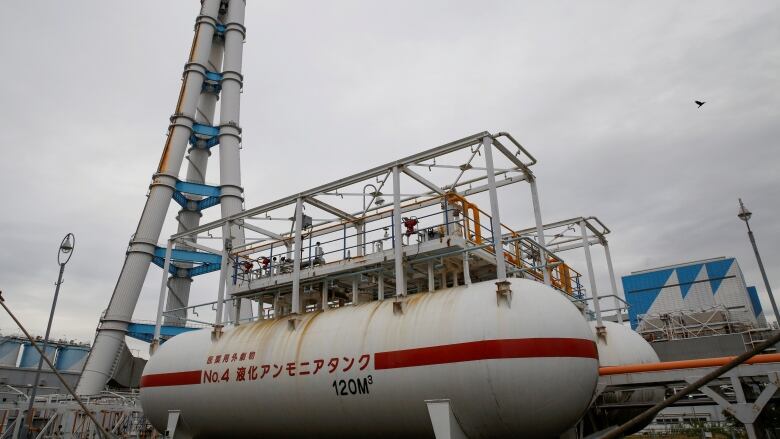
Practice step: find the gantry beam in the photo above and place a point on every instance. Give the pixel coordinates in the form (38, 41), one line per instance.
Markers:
(331, 209)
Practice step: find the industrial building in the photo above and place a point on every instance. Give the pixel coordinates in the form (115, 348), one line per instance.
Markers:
(692, 299)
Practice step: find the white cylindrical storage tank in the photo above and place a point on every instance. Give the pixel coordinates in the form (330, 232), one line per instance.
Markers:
(30, 355)
(9, 351)
(621, 346)
(528, 369)
(72, 358)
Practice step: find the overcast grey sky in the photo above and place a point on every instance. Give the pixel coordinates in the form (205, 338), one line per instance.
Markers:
(601, 92)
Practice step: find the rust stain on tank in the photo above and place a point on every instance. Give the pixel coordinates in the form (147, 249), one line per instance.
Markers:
(304, 330)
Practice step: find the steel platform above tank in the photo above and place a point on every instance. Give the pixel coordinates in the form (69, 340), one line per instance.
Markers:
(343, 243)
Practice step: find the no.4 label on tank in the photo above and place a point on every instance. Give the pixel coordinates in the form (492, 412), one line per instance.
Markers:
(254, 372)
(353, 386)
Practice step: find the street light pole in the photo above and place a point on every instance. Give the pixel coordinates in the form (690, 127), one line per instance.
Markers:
(744, 214)
(63, 256)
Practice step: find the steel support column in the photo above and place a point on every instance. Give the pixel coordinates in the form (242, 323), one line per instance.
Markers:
(612, 280)
(431, 278)
(223, 279)
(539, 228)
(466, 269)
(591, 276)
(161, 302)
(400, 279)
(296, 282)
(495, 220)
(324, 299)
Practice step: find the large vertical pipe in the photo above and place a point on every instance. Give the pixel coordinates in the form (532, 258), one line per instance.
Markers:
(231, 195)
(591, 275)
(189, 216)
(113, 326)
(400, 279)
(495, 220)
(296, 283)
(612, 280)
(539, 228)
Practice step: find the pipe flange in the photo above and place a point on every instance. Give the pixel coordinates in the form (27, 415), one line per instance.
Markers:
(235, 26)
(117, 323)
(181, 120)
(206, 19)
(187, 120)
(141, 247)
(230, 131)
(230, 189)
(237, 194)
(231, 127)
(163, 179)
(232, 75)
(195, 67)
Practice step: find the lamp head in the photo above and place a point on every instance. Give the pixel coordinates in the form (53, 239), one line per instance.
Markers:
(744, 214)
(67, 245)
(66, 249)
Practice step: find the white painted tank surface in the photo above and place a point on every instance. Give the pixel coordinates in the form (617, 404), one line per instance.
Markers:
(525, 370)
(622, 345)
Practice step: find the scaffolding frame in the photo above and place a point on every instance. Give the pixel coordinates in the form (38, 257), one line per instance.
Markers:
(397, 264)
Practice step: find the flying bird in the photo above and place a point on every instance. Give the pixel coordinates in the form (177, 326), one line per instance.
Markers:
(699, 103)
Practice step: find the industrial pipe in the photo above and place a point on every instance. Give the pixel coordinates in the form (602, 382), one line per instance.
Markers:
(110, 335)
(650, 413)
(684, 364)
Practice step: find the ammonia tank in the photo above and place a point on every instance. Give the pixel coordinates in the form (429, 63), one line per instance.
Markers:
(619, 347)
(527, 369)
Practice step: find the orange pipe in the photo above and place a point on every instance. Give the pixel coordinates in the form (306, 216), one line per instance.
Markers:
(684, 364)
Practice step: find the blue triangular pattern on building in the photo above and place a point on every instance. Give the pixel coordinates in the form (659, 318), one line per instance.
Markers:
(755, 301)
(686, 276)
(716, 271)
(641, 290)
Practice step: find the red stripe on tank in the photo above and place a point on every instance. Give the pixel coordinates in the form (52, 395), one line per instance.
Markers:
(487, 350)
(171, 379)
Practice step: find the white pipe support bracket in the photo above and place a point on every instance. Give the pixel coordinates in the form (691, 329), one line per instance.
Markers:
(195, 67)
(236, 27)
(141, 246)
(232, 75)
(181, 120)
(231, 129)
